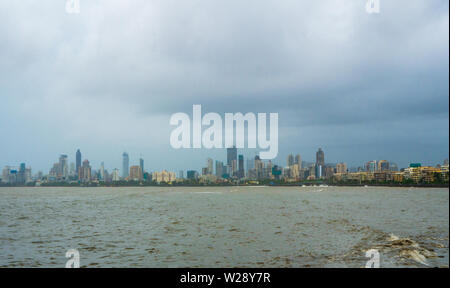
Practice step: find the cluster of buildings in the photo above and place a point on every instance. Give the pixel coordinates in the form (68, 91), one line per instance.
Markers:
(383, 171)
(16, 175)
(257, 169)
(233, 170)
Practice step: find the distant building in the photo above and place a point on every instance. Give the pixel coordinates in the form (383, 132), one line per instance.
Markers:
(210, 168)
(290, 160)
(141, 166)
(383, 165)
(371, 166)
(125, 165)
(135, 173)
(341, 168)
(241, 173)
(192, 175)
(101, 172)
(234, 168)
(115, 175)
(219, 169)
(63, 167)
(78, 161)
(85, 172)
(21, 177)
(298, 161)
(320, 158)
(5, 174)
(231, 155)
(164, 176)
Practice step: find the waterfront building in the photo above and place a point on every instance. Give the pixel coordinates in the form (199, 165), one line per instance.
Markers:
(231, 155)
(125, 165)
(115, 175)
(290, 160)
(219, 169)
(298, 160)
(164, 176)
(341, 168)
(383, 165)
(371, 166)
(135, 173)
(85, 172)
(192, 175)
(78, 161)
(320, 158)
(141, 166)
(5, 174)
(63, 167)
(241, 173)
(210, 163)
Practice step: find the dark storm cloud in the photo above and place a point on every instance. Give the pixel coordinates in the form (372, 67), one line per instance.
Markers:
(112, 76)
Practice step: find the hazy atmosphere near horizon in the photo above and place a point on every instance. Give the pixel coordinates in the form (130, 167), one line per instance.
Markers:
(360, 86)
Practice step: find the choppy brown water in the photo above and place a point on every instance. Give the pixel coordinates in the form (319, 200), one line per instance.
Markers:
(224, 226)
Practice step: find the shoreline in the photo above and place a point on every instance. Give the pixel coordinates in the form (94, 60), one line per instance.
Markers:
(249, 186)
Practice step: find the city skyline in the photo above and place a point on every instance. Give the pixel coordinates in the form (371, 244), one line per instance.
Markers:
(232, 155)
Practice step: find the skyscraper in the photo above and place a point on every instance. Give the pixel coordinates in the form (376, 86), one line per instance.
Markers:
(125, 165)
(219, 169)
(231, 155)
(141, 165)
(63, 166)
(21, 174)
(210, 168)
(102, 171)
(78, 161)
(135, 173)
(85, 172)
(320, 157)
(241, 173)
(290, 160)
(298, 160)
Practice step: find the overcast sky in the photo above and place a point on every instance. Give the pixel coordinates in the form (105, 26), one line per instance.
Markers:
(361, 86)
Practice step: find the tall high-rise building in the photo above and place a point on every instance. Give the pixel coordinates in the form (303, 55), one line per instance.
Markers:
(241, 172)
(250, 164)
(21, 179)
(231, 155)
(298, 161)
(63, 166)
(102, 171)
(72, 169)
(210, 167)
(115, 175)
(85, 172)
(320, 158)
(219, 169)
(135, 173)
(5, 174)
(141, 165)
(125, 165)
(78, 161)
(290, 160)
